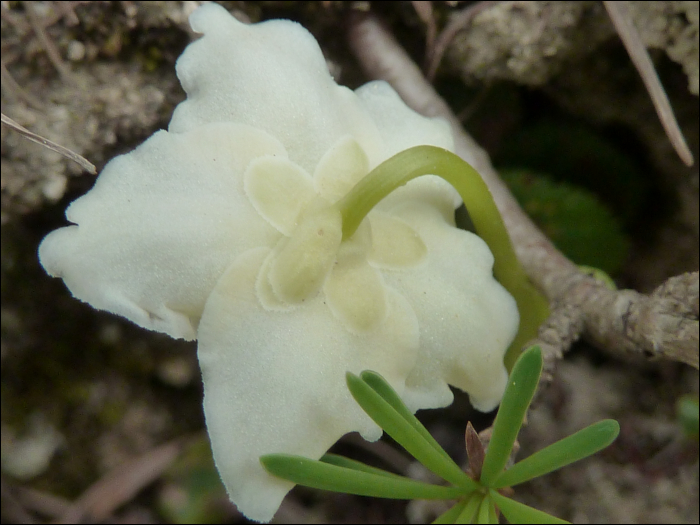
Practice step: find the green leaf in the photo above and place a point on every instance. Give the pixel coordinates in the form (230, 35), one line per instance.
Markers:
(516, 512)
(406, 435)
(320, 475)
(565, 451)
(469, 513)
(483, 515)
(493, 515)
(451, 515)
(573, 218)
(341, 461)
(381, 387)
(521, 387)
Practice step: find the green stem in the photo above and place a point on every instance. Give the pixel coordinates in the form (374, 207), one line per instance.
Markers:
(431, 160)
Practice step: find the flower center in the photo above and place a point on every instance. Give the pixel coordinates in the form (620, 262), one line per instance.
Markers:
(315, 256)
(302, 262)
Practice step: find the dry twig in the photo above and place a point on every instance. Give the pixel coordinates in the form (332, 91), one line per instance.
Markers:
(621, 322)
(424, 10)
(10, 86)
(42, 503)
(11, 510)
(435, 52)
(619, 14)
(121, 484)
(84, 163)
(39, 25)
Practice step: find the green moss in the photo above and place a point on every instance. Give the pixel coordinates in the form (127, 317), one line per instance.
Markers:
(576, 154)
(575, 219)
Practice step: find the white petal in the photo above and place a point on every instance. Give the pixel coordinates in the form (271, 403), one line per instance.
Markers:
(340, 169)
(402, 128)
(274, 382)
(263, 288)
(161, 225)
(395, 244)
(467, 318)
(356, 293)
(272, 76)
(279, 190)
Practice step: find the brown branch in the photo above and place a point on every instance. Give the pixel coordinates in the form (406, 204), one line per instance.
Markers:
(621, 322)
(665, 324)
(424, 10)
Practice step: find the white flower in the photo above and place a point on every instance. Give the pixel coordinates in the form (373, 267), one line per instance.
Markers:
(222, 229)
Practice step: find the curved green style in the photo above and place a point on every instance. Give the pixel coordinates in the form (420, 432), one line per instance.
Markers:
(431, 160)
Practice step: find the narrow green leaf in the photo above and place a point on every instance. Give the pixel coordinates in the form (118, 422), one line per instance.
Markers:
(342, 461)
(516, 512)
(406, 435)
(468, 515)
(483, 515)
(451, 515)
(381, 387)
(565, 451)
(521, 387)
(324, 476)
(493, 515)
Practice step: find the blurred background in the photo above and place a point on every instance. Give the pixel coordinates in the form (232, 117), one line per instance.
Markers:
(102, 421)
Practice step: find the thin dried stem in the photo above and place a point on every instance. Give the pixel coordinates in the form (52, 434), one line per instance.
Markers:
(67, 12)
(12, 510)
(435, 53)
(84, 163)
(39, 26)
(11, 87)
(619, 14)
(121, 484)
(425, 13)
(42, 503)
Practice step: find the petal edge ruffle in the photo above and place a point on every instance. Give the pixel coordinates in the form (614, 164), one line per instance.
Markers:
(269, 388)
(161, 225)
